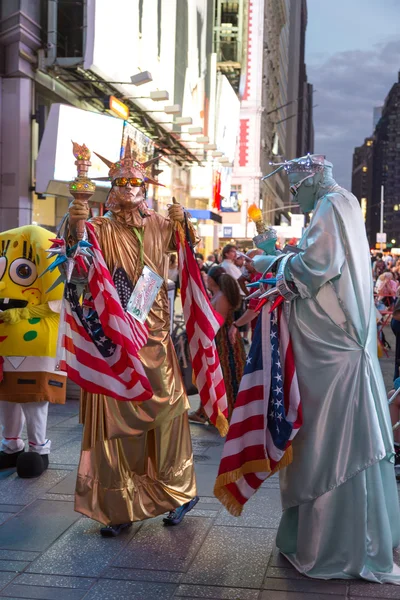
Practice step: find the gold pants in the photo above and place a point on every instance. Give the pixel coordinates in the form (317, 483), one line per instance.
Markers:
(138, 477)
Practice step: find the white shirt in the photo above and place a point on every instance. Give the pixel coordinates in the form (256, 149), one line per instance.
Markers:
(231, 268)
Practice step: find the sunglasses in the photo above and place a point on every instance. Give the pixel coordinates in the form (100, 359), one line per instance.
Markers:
(294, 189)
(123, 181)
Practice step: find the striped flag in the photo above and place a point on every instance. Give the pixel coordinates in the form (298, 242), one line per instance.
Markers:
(100, 341)
(266, 417)
(202, 324)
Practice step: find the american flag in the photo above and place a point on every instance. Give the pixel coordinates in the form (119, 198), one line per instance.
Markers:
(266, 417)
(99, 341)
(202, 324)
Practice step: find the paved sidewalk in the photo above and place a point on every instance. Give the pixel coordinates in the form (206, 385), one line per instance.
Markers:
(47, 551)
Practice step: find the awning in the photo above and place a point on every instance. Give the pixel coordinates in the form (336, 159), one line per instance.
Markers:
(205, 215)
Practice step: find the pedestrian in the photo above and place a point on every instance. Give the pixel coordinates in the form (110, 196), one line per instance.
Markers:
(386, 288)
(229, 253)
(136, 459)
(211, 260)
(225, 298)
(379, 266)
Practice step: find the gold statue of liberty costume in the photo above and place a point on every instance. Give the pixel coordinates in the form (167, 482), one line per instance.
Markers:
(136, 460)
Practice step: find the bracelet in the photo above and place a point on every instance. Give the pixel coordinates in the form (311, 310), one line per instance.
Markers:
(284, 287)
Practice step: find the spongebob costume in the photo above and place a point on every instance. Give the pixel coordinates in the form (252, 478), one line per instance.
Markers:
(29, 320)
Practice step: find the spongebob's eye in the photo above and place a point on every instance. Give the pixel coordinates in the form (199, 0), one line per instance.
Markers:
(3, 264)
(23, 272)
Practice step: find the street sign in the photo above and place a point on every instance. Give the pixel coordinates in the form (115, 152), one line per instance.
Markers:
(227, 232)
(381, 237)
(380, 246)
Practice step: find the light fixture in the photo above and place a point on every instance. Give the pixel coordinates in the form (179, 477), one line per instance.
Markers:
(184, 120)
(393, 241)
(217, 153)
(159, 95)
(203, 139)
(210, 147)
(173, 109)
(195, 130)
(141, 78)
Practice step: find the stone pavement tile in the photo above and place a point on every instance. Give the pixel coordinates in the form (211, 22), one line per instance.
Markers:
(201, 512)
(71, 407)
(4, 517)
(54, 581)
(130, 590)
(262, 510)
(284, 573)
(63, 467)
(11, 508)
(306, 585)
(5, 578)
(164, 548)
(67, 454)
(27, 490)
(232, 557)
(215, 592)
(67, 485)
(270, 595)
(65, 422)
(42, 593)
(205, 477)
(81, 551)
(363, 589)
(58, 497)
(13, 566)
(142, 575)
(18, 555)
(37, 526)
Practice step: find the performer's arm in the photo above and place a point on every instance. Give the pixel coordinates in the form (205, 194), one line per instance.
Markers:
(15, 315)
(323, 258)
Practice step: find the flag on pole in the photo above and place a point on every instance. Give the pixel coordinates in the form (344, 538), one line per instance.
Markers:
(266, 417)
(100, 341)
(202, 324)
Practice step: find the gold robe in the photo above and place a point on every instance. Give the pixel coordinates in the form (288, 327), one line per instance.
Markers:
(136, 460)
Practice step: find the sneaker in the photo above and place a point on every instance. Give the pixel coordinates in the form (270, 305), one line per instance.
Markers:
(114, 530)
(176, 516)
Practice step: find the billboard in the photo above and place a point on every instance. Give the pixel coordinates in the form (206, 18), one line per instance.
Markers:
(227, 117)
(100, 133)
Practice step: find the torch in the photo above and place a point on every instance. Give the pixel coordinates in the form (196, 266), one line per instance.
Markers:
(82, 188)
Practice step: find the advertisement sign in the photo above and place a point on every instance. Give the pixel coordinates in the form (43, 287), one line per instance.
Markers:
(142, 145)
(227, 232)
(231, 203)
(381, 237)
(100, 133)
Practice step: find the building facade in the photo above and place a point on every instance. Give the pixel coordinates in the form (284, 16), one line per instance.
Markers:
(80, 55)
(377, 164)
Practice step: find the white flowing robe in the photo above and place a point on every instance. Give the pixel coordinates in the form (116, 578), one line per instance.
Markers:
(341, 514)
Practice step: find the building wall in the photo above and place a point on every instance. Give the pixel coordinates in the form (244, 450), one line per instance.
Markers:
(19, 39)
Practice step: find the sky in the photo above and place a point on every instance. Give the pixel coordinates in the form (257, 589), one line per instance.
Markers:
(353, 59)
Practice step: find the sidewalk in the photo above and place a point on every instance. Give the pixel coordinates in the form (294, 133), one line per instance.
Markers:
(49, 552)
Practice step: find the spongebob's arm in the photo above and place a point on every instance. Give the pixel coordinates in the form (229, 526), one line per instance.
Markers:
(15, 315)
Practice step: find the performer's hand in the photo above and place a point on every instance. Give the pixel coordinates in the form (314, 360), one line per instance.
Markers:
(232, 334)
(78, 211)
(176, 213)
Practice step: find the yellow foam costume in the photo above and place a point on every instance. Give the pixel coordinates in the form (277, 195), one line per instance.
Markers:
(29, 323)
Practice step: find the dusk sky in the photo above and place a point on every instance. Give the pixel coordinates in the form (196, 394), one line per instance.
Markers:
(353, 59)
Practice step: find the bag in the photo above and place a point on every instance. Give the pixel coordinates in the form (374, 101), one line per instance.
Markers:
(181, 346)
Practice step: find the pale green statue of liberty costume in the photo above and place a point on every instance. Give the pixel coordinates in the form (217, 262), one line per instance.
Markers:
(341, 514)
